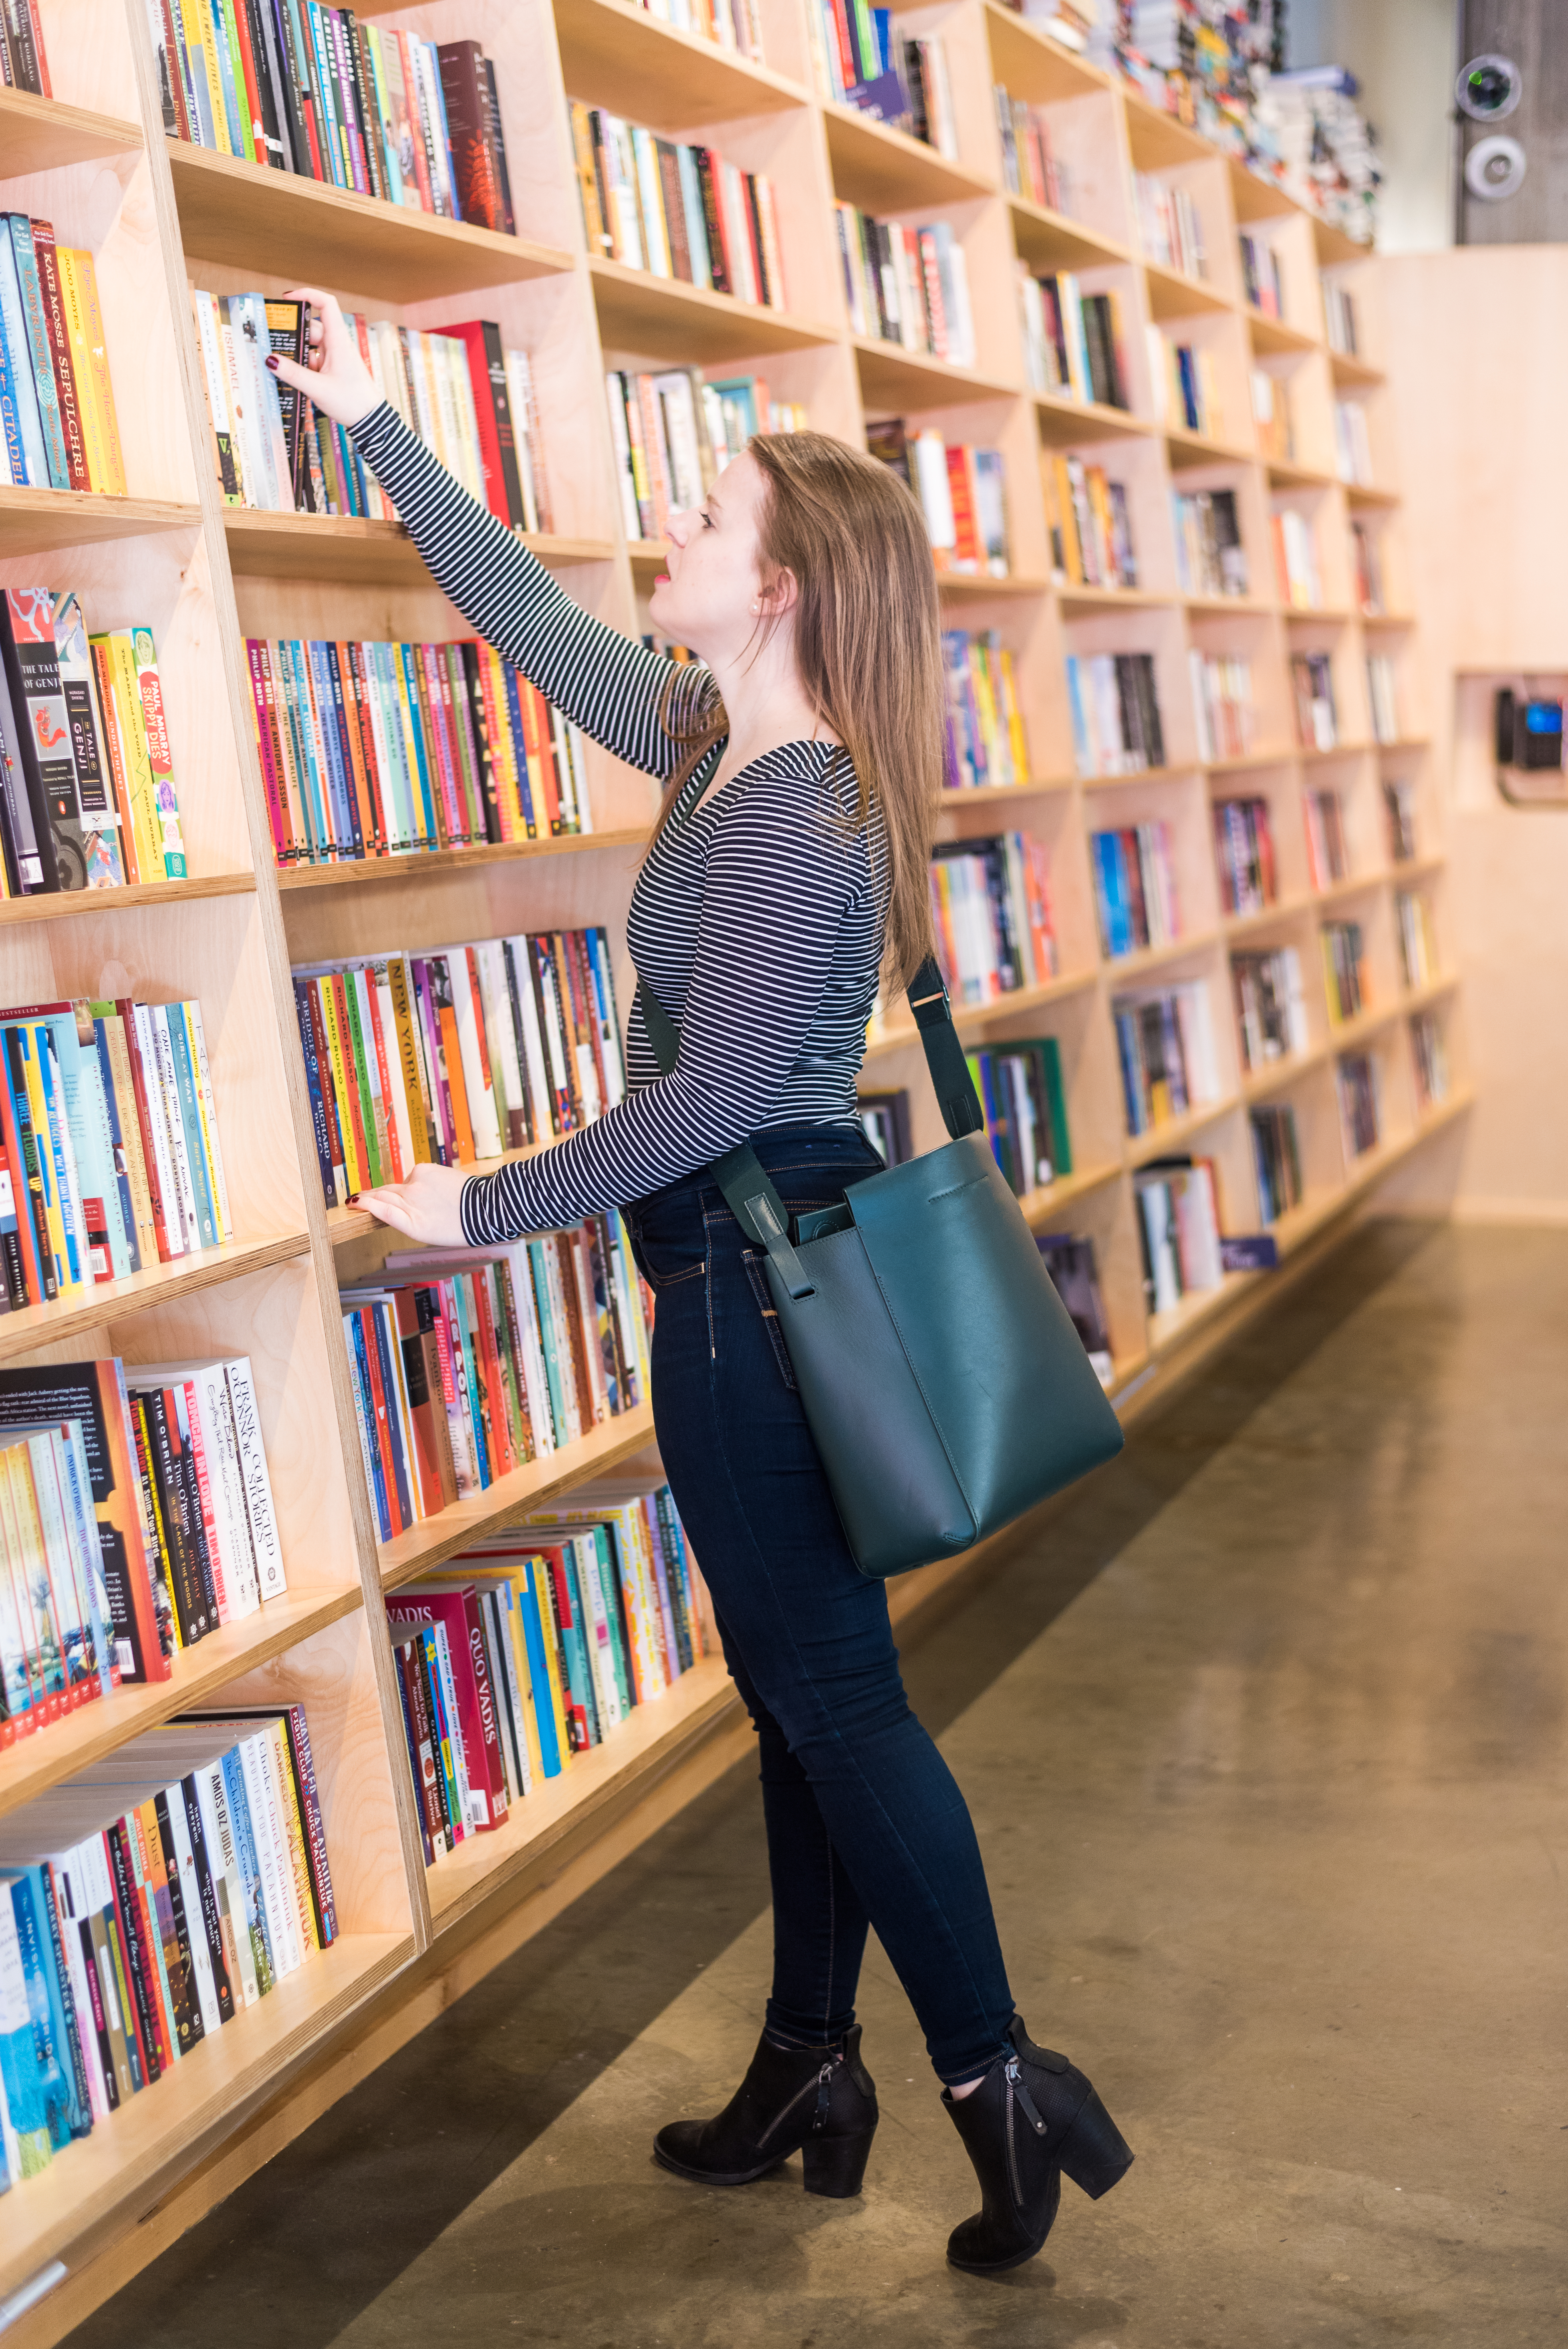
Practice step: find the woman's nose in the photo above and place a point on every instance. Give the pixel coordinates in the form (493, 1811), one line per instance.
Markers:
(677, 529)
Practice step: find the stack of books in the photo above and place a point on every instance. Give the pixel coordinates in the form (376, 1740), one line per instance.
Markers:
(1262, 281)
(906, 285)
(59, 429)
(1382, 698)
(88, 798)
(1221, 705)
(1069, 1260)
(885, 1117)
(380, 749)
(1091, 533)
(470, 401)
(1360, 1102)
(1276, 1159)
(1271, 1009)
(1351, 445)
(675, 211)
(1030, 165)
(1431, 1059)
(1114, 713)
(863, 59)
(672, 434)
(109, 1135)
(1296, 560)
(987, 745)
(1072, 341)
(991, 903)
(1170, 226)
(1328, 856)
(144, 1903)
(1317, 720)
(1211, 559)
(137, 1517)
(1179, 1231)
(448, 1056)
(1345, 969)
(22, 64)
(1165, 1044)
(1020, 1089)
(1135, 888)
(465, 1367)
(1186, 381)
(531, 1648)
(300, 87)
(1273, 416)
(1244, 851)
(962, 492)
(1418, 941)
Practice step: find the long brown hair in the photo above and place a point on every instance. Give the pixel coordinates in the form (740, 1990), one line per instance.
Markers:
(868, 644)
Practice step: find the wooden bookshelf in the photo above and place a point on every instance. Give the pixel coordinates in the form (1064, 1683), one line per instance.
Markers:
(184, 216)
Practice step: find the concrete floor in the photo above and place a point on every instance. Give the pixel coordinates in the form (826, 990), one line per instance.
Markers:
(1265, 1744)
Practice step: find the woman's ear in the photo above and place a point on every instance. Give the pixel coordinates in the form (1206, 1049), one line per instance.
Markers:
(779, 595)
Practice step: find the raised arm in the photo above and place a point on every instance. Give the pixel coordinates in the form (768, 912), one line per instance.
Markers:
(612, 686)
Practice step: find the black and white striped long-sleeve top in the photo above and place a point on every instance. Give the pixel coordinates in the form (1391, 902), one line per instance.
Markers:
(758, 923)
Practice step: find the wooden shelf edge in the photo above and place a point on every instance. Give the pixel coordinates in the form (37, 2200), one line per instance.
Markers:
(112, 1300)
(430, 1543)
(1163, 1141)
(40, 134)
(715, 84)
(347, 547)
(357, 873)
(102, 2182)
(36, 1763)
(34, 520)
(973, 1018)
(67, 905)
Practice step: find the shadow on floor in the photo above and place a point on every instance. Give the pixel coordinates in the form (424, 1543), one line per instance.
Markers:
(300, 2249)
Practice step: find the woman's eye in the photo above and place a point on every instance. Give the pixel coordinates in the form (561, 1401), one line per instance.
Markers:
(707, 521)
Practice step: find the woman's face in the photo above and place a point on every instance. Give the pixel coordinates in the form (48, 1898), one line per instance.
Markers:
(707, 598)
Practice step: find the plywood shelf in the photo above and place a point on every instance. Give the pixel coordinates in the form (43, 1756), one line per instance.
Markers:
(372, 872)
(241, 216)
(885, 171)
(1273, 337)
(1157, 142)
(975, 1018)
(1040, 1208)
(1034, 67)
(1124, 969)
(1354, 374)
(1174, 294)
(1186, 451)
(427, 1545)
(120, 2173)
(73, 905)
(616, 55)
(196, 1676)
(1362, 494)
(1050, 240)
(1172, 1138)
(661, 318)
(160, 1283)
(1286, 475)
(40, 134)
(986, 794)
(1066, 423)
(344, 549)
(40, 522)
(895, 381)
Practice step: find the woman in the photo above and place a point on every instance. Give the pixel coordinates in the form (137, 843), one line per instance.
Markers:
(760, 921)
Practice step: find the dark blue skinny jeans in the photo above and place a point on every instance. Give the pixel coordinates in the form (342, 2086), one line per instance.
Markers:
(865, 1822)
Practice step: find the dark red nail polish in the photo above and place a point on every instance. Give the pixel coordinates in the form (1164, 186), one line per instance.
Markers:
(272, 362)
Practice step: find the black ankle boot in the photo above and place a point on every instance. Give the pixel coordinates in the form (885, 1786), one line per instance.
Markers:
(1032, 2116)
(821, 2102)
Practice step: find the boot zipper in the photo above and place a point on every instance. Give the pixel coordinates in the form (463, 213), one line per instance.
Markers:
(1030, 2108)
(1013, 2082)
(823, 2085)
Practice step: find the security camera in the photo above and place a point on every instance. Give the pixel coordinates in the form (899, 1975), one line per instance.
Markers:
(1489, 89)
(1494, 168)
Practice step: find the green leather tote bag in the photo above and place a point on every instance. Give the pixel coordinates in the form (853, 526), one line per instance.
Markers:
(945, 1384)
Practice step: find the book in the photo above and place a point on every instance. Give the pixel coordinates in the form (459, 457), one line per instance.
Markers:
(861, 57)
(1271, 1006)
(1179, 1232)
(1345, 969)
(991, 911)
(22, 62)
(906, 283)
(1327, 854)
(1417, 940)
(1222, 703)
(1169, 225)
(143, 1901)
(675, 211)
(1089, 524)
(1244, 855)
(1070, 1261)
(1262, 278)
(1276, 1159)
(985, 742)
(1167, 1051)
(885, 1120)
(1211, 558)
(1296, 559)
(370, 749)
(1020, 1089)
(1428, 1051)
(1031, 167)
(1312, 684)
(1136, 898)
(1074, 345)
(1360, 1101)
(1113, 701)
(1382, 698)
(962, 492)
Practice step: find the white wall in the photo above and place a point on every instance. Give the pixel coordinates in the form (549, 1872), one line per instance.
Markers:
(1402, 53)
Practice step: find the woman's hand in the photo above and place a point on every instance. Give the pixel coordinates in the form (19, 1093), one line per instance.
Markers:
(424, 1207)
(335, 377)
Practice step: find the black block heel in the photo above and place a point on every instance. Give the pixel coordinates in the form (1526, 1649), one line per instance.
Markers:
(836, 2165)
(1094, 2153)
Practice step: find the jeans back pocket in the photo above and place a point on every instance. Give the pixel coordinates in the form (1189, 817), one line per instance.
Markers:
(752, 1258)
